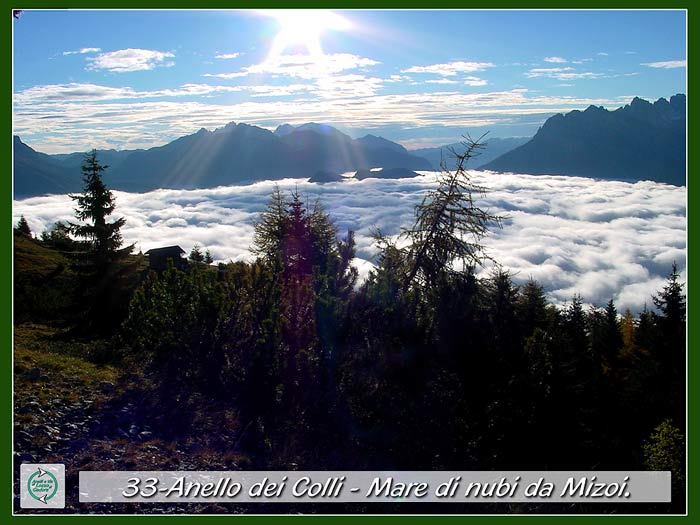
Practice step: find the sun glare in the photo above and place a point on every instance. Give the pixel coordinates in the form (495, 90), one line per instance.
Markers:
(301, 29)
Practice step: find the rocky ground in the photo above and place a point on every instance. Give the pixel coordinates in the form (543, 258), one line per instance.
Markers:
(107, 417)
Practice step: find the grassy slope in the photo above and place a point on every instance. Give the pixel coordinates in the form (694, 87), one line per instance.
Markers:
(81, 403)
(89, 416)
(43, 281)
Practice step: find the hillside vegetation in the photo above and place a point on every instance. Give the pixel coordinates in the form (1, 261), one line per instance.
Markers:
(288, 362)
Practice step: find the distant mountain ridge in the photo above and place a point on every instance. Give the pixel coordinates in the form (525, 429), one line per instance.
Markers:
(494, 148)
(233, 154)
(640, 141)
(34, 170)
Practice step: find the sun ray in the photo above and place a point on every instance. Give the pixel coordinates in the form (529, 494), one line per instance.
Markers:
(301, 29)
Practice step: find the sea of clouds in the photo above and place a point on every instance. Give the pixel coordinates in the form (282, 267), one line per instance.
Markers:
(600, 239)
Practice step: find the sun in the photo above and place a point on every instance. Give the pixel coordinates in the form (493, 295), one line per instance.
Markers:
(301, 29)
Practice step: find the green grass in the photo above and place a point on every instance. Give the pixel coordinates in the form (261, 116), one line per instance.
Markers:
(36, 262)
(61, 375)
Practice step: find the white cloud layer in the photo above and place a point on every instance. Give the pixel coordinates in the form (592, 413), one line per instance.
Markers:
(126, 60)
(474, 81)
(307, 67)
(96, 93)
(602, 239)
(83, 51)
(555, 60)
(669, 64)
(63, 118)
(227, 56)
(561, 73)
(450, 69)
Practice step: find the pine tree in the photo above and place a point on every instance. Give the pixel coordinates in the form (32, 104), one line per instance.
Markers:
(58, 237)
(532, 307)
(102, 264)
(94, 206)
(614, 330)
(671, 324)
(23, 227)
(671, 300)
(449, 226)
(605, 335)
(645, 335)
(196, 255)
(271, 229)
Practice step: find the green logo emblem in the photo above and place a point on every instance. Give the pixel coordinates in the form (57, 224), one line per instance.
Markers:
(42, 485)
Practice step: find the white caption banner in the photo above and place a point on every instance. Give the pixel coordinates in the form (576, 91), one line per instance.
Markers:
(374, 486)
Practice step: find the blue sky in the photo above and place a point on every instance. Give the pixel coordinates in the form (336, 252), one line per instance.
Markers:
(135, 79)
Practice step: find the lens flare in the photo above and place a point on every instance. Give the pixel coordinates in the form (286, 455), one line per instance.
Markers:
(301, 29)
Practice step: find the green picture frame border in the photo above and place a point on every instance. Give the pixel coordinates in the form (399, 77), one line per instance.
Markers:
(6, 321)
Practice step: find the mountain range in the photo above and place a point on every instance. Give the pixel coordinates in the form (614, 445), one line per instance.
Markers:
(236, 153)
(636, 142)
(493, 148)
(640, 141)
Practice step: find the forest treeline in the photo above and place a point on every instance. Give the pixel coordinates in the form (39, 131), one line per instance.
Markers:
(423, 366)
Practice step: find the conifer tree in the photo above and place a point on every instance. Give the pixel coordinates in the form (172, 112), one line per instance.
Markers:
(671, 300)
(94, 206)
(102, 262)
(58, 237)
(196, 255)
(671, 347)
(23, 227)
(449, 225)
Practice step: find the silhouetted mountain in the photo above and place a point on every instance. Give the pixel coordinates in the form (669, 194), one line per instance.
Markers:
(640, 141)
(385, 173)
(372, 142)
(322, 147)
(110, 157)
(494, 148)
(322, 177)
(233, 154)
(38, 173)
(284, 129)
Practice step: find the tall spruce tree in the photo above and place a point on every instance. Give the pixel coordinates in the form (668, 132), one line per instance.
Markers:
(671, 300)
(23, 227)
(94, 206)
(101, 263)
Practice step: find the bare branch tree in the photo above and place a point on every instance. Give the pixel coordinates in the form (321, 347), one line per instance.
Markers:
(449, 225)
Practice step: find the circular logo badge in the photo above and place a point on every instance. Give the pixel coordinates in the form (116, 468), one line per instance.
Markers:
(42, 485)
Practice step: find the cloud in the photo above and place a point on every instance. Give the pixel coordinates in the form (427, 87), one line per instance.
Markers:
(603, 54)
(301, 66)
(347, 86)
(440, 81)
(127, 60)
(83, 51)
(450, 69)
(426, 142)
(602, 239)
(561, 73)
(555, 60)
(227, 56)
(474, 81)
(669, 64)
(397, 78)
(64, 119)
(95, 92)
